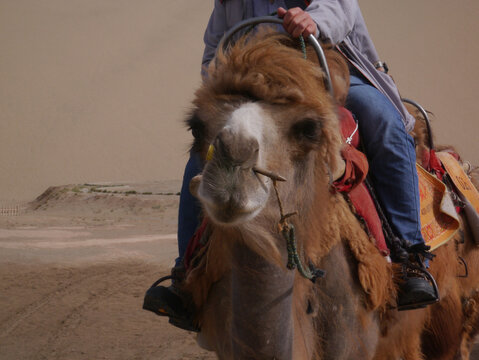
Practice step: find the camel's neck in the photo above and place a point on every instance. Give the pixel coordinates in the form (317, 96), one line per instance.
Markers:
(262, 301)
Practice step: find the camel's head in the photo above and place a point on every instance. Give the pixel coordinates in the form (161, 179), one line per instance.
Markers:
(262, 107)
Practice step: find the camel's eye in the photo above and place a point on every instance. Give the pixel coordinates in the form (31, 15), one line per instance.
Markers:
(197, 127)
(306, 130)
(198, 130)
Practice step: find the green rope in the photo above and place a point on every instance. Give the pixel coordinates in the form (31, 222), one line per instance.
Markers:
(294, 260)
(303, 46)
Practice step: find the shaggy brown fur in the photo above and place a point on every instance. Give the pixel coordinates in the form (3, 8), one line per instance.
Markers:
(269, 71)
(452, 324)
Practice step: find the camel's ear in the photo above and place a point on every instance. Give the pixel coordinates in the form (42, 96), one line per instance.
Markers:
(195, 184)
(339, 72)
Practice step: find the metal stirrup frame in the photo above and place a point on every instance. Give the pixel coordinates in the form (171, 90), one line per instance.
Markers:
(426, 118)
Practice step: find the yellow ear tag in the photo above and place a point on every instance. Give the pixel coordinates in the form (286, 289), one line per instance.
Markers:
(210, 153)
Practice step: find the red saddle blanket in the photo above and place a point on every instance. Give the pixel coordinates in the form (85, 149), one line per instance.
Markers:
(352, 182)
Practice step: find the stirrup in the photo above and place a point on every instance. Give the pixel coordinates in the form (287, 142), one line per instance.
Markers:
(422, 278)
(153, 300)
(166, 301)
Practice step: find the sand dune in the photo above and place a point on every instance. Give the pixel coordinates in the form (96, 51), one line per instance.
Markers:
(74, 267)
(97, 90)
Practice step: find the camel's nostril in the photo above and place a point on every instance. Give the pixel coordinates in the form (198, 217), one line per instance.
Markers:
(236, 148)
(252, 157)
(221, 146)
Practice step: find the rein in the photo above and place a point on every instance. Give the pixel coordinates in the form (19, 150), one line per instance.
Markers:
(289, 234)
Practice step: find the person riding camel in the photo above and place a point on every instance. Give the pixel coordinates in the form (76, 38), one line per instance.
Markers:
(373, 98)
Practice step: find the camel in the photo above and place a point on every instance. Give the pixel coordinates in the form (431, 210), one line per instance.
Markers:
(453, 323)
(268, 115)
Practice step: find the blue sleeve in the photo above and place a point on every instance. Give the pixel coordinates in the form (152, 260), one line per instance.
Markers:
(213, 34)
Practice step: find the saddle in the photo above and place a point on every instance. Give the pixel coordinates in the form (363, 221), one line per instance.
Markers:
(441, 179)
(352, 182)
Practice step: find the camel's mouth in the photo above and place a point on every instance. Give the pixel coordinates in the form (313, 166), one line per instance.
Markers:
(231, 214)
(233, 197)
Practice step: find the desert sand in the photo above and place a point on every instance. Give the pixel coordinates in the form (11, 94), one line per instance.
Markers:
(74, 266)
(94, 92)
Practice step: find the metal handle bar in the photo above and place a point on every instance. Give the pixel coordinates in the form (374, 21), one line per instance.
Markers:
(426, 118)
(274, 20)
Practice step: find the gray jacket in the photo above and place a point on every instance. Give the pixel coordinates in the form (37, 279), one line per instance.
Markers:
(340, 22)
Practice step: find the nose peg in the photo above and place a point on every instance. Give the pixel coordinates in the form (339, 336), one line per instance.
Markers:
(269, 174)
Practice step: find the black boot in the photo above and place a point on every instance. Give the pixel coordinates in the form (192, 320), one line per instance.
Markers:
(171, 301)
(418, 288)
(416, 293)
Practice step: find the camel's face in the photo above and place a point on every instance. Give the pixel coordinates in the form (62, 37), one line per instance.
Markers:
(262, 106)
(230, 191)
(245, 137)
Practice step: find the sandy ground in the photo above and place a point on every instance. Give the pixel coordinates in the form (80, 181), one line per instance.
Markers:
(74, 267)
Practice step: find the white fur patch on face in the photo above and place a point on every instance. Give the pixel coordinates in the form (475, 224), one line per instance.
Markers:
(248, 121)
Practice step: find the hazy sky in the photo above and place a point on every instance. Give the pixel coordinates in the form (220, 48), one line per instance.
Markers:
(96, 90)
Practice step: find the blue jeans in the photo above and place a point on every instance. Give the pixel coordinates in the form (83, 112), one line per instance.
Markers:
(190, 208)
(392, 157)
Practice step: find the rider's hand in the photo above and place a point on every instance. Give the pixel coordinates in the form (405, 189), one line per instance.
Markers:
(297, 22)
